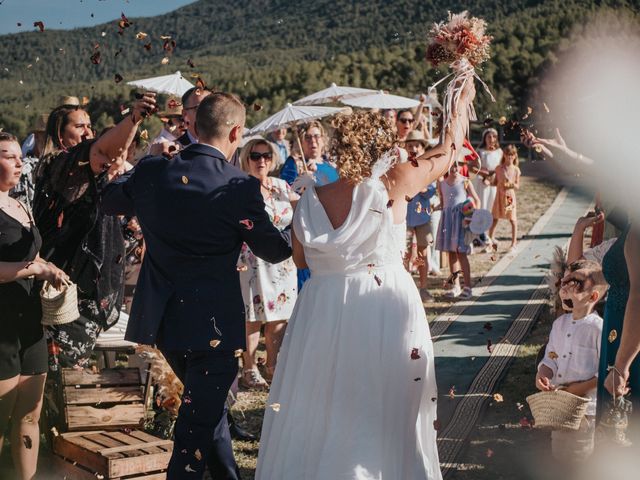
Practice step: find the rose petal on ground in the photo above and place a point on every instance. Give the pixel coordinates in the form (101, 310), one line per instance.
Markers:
(498, 398)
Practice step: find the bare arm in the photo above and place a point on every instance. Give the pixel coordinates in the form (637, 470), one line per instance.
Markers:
(298, 252)
(406, 179)
(516, 184)
(109, 148)
(582, 388)
(38, 268)
(472, 193)
(630, 340)
(576, 244)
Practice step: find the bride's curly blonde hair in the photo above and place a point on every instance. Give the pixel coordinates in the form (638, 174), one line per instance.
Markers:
(359, 140)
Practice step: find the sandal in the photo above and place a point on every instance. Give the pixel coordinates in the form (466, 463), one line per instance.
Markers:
(251, 379)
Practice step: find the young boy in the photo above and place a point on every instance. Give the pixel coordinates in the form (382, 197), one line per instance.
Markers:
(572, 354)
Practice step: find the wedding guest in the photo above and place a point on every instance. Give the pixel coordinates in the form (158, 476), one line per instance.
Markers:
(77, 235)
(172, 123)
(190, 100)
(23, 349)
(619, 371)
(621, 331)
(572, 354)
(454, 191)
(391, 116)
(269, 290)
(490, 157)
(279, 139)
(419, 216)
(314, 141)
(507, 181)
(405, 122)
(24, 190)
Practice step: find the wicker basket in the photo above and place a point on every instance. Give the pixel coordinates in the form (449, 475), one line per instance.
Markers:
(59, 306)
(557, 410)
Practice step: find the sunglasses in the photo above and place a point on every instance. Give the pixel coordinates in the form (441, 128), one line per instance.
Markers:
(406, 120)
(256, 156)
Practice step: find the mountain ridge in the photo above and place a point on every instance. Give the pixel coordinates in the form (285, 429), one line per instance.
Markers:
(275, 51)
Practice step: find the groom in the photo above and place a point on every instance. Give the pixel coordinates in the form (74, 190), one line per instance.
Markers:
(195, 211)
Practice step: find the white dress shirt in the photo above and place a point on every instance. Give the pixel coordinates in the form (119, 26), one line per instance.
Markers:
(573, 351)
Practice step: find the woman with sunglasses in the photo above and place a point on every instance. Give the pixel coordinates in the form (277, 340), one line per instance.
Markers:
(405, 123)
(269, 290)
(76, 235)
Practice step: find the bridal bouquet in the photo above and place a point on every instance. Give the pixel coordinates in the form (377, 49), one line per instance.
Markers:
(463, 44)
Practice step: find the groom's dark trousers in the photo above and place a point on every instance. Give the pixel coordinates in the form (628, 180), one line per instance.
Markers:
(195, 212)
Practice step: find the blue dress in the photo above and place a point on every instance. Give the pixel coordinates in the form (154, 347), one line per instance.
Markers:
(326, 173)
(614, 268)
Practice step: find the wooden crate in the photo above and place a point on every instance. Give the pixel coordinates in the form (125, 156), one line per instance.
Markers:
(110, 398)
(113, 454)
(102, 411)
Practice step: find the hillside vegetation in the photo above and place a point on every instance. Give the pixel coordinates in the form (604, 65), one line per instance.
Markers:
(271, 52)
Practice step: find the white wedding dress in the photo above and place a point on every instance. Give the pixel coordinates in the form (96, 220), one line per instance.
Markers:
(354, 395)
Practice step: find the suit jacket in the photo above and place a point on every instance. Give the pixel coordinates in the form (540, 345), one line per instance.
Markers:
(195, 212)
(185, 141)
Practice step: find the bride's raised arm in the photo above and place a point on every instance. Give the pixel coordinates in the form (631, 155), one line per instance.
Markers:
(407, 179)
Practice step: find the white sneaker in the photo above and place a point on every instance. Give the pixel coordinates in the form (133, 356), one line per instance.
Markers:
(454, 292)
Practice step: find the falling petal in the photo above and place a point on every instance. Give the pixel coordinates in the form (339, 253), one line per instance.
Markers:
(165, 61)
(189, 469)
(248, 224)
(498, 398)
(215, 342)
(452, 392)
(141, 35)
(117, 77)
(275, 407)
(415, 354)
(197, 454)
(39, 24)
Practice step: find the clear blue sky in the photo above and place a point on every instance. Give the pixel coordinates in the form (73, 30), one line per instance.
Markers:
(67, 14)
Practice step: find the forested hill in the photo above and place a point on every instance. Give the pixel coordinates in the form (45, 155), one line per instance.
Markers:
(273, 51)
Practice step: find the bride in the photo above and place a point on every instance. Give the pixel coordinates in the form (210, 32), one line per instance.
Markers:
(354, 396)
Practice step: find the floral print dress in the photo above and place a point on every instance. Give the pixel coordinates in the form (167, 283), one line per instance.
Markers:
(269, 290)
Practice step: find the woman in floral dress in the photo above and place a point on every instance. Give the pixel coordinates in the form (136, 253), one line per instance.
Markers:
(269, 290)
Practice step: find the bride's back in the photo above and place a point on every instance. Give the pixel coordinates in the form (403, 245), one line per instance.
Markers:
(347, 229)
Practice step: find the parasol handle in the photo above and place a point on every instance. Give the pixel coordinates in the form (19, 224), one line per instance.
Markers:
(304, 160)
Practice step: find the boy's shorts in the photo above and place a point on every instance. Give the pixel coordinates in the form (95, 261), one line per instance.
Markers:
(424, 237)
(574, 445)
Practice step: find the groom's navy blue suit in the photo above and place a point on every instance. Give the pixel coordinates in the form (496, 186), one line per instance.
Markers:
(195, 211)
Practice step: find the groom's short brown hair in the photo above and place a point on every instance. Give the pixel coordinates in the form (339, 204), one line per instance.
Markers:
(218, 113)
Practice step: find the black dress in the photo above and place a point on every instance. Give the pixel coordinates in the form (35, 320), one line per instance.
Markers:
(23, 349)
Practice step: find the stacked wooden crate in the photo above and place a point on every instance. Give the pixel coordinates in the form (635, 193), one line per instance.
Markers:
(104, 412)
